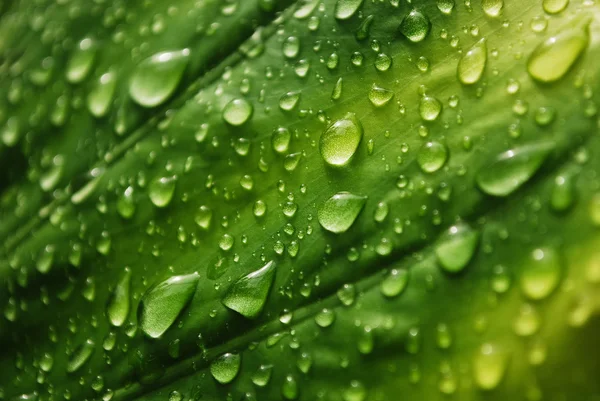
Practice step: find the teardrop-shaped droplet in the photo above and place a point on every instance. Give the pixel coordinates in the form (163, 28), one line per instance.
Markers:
(100, 97)
(489, 366)
(492, 8)
(161, 190)
(248, 295)
(80, 356)
(126, 203)
(432, 156)
(554, 6)
(118, 305)
(456, 247)
(563, 193)
(472, 63)
(379, 96)
(161, 304)
(81, 61)
(339, 212)
(226, 367)
(394, 283)
(340, 140)
(553, 58)
(541, 273)
(345, 9)
(155, 79)
(511, 169)
(415, 26)
(237, 112)
(280, 139)
(429, 108)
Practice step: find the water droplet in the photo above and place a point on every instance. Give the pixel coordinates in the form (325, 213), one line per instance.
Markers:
(262, 375)
(379, 96)
(472, 63)
(80, 356)
(489, 366)
(100, 97)
(383, 62)
(46, 362)
(226, 242)
(394, 283)
(347, 294)
(345, 9)
(501, 279)
(161, 304)
(237, 112)
(415, 26)
(156, 78)
(288, 101)
(355, 392)
(248, 294)
(126, 203)
(541, 274)
(443, 336)
(563, 193)
(340, 140)
(304, 363)
(511, 169)
(161, 190)
(429, 108)
(325, 318)
(445, 6)
(81, 61)
(456, 247)
(432, 156)
(336, 93)
(554, 6)
(527, 321)
(492, 8)
(364, 28)
(226, 367)
(203, 217)
(289, 389)
(381, 211)
(339, 212)
(118, 305)
(553, 58)
(291, 47)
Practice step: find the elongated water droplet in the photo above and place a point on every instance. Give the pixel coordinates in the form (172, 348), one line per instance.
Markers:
(541, 273)
(248, 294)
(489, 366)
(226, 367)
(553, 58)
(161, 190)
(492, 8)
(456, 247)
(339, 212)
(126, 203)
(340, 140)
(280, 140)
(289, 389)
(394, 283)
(100, 97)
(81, 355)
(336, 93)
(81, 61)
(472, 63)
(345, 9)
(511, 169)
(155, 79)
(237, 112)
(563, 193)
(432, 156)
(288, 101)
(415, 26)
(262, 376)
(118, 305)
(161, 304)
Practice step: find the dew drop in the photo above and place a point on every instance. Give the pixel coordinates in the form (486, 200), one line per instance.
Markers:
(156, 78)
(429, 108)
(118, 304)
(339, 212)
(81, 61)
(541, 273)
(432, 156)
(80, 356)
(340, 140)
(345, 9)
(492, 8)
(394, 283)
(489, 366)
(554, 6)
(237, 112)
(248, 294)
(379, 96)
(456, 247)
(161, 190)
(415, 26)
(226, 367)
(100, 97)
(472, 63)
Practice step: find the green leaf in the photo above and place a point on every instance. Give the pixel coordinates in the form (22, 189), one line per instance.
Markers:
(424, 176)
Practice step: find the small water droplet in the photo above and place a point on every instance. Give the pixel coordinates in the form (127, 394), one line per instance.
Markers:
(394, 283)
(554, 6)
(226, 367)
(345, 9)
(81, 61)
(100, 97)
(429, 108)
(456, 247)
(161, 190)
(379, 96)
(339, 212)
(415, 26)
(541, 273)
(432, 156)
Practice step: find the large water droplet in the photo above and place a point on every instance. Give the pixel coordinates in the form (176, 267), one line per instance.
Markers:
(472, 63)
(415, 26)
(511, 169)
(155, 79)
(379, 96)
(345, 9)
(340, 140)
(432, 156)
(394, 283)
(554, 57)
(489, 366)
(541, 274)
(237, 112)
(429, 108)
(161, 190)
(456, 247)
(81, 61)
(339, 212)
(226, 367)
(80, 356)
(118, 305)
(554, 6)
(248, 294)
(161, 304)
